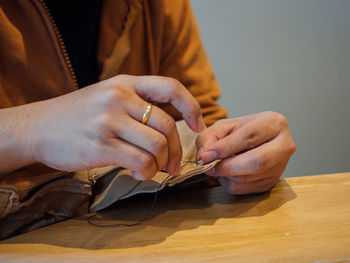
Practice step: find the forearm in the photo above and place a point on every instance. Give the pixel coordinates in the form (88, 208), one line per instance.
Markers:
(100, 125)
(15, 141)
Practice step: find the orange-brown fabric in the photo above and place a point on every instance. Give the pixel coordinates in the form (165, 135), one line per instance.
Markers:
(164, 40)
(140, 37)
(31, 68)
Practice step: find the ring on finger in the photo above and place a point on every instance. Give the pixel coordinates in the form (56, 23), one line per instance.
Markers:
(147, 113)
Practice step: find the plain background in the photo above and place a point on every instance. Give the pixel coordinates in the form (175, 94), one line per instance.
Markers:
(292, 57)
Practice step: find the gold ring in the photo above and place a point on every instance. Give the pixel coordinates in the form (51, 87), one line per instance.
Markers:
(147, 113)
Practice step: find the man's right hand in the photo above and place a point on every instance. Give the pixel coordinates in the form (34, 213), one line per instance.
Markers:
(100, 125)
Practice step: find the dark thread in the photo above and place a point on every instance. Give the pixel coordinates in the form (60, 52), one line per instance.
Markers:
(93, 216)
(187, 162)
(148, 213)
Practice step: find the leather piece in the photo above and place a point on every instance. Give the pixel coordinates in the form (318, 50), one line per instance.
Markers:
(122, 185)
(53, 202)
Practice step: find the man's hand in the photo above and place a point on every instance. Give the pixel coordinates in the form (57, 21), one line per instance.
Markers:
(100, 125)
(255, 149)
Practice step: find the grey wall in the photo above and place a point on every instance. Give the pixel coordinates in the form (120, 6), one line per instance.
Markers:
(290, 56)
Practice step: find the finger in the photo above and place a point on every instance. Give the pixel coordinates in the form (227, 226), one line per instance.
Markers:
(120, 153)
(239, 188)
(247, 137)
(165, 124)
(144, 137)
(212, 134)
(275, 171)
(255, 161)
(169, 90)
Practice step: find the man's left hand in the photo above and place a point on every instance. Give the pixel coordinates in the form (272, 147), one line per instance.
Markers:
(255, 150)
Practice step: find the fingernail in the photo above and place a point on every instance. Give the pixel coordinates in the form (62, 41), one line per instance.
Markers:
(137, 176)
(200, 124)
(173, 169)
(209, 156)
(177, 169)
(211, 171)
(170, 169)
(199, 154)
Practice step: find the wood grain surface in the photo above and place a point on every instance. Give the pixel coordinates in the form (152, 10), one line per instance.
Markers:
(303, 219)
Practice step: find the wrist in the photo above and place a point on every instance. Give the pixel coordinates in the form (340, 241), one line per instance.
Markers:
(15, 147)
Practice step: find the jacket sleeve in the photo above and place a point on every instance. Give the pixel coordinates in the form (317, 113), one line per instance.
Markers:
(183, 57)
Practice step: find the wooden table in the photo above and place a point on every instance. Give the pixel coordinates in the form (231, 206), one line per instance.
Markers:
(303, 219)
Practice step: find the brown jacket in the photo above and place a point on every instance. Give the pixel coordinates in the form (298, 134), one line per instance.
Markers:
(149, 37)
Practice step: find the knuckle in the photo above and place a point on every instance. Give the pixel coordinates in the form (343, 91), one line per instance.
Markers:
(227, 147)
(223, 122)
(269, 114)
(116, 93)
(176, 89)
(145, 161)
(160, 145)
(102, 122)
(278, 118)
(195, 109)
(120, 77)
(123, 79)
(119, 94)
(292, 148)
(169, 124)
(173, 84)
(281, 120)
(258, 164)
(250, 135)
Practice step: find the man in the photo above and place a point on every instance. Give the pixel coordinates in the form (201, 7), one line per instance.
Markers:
(120, 50)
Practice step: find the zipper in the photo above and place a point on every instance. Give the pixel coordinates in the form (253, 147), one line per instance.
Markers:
(61, 44)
